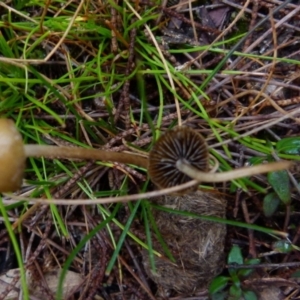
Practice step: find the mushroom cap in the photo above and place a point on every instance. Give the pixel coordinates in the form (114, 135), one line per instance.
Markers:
(12, 156)
(180, 143)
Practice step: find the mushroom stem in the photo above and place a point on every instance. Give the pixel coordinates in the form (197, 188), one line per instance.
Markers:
(166, 166)
(230, 175)
(84, 153)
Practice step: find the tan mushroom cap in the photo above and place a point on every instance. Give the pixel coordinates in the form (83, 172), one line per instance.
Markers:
(12, 157)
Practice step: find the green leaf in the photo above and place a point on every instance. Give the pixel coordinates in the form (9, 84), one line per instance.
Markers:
(279, 181)
(235, 256)
(270, 204)
(246, 272)
(234, 277)
(235, 292)
(5, 48)
(249, 295)
(289, 145)
(218, 284)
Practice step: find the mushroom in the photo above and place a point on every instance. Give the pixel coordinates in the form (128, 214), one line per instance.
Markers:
(177, 157)
(12, 156)
(181, 144)
(181, 155)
